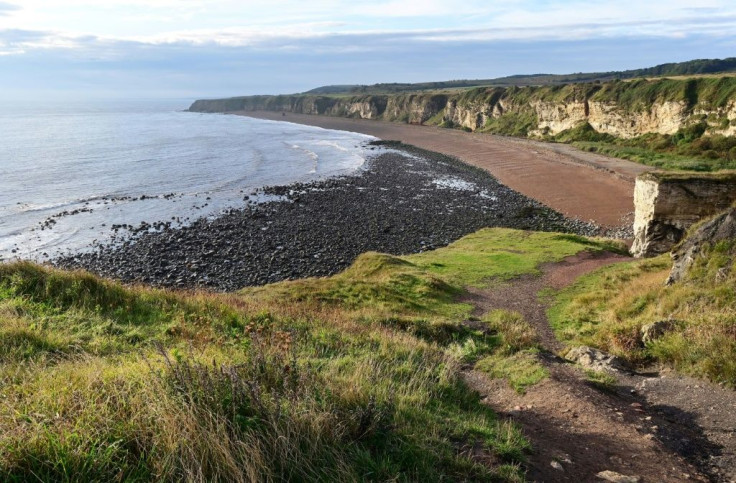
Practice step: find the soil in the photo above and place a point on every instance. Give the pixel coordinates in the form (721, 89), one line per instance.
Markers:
(578, 184)
(652, 424)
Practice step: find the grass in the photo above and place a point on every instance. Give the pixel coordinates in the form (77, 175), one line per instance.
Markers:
(515, 358)
(664, 154)
(608, 308)
(509, 353)
(521, 369)
(349, 378)
(601, 380)
(501, 254)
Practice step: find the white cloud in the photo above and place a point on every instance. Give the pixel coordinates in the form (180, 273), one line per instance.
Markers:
(82, 28)
(135, 19)
(307, 35)
(6, 8)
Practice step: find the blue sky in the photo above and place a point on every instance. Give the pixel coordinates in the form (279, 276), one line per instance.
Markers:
(192, 48)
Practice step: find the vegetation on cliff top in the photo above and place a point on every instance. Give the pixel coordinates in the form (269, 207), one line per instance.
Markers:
(693, 67)
(353, 377)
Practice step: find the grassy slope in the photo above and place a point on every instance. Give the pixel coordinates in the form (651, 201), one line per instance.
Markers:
(353, 377)
(607, 309)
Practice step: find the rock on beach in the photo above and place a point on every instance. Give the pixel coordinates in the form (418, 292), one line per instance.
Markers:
(405, 200)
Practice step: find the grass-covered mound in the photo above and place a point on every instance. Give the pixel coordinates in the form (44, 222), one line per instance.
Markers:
(349, 378)
(608, 309)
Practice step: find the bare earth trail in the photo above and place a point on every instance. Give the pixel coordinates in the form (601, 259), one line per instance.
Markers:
(576, 183)
(659, 427)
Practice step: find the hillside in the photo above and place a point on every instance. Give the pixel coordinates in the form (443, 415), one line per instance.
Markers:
(350, 378)
(692, 67)
(391, 370)
(672, 123)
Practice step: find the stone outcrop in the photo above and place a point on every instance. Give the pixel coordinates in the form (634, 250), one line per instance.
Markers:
(555, 117)
(596, 360)
(721, 227)
(660, 117)
(667, 204)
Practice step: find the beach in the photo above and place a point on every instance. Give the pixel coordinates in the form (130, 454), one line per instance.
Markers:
(405, 200)
(578, 184)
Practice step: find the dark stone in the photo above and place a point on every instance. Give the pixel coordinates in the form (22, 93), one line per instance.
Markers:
(392, 206)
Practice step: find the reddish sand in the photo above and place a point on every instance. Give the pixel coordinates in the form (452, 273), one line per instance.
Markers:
(579, 184)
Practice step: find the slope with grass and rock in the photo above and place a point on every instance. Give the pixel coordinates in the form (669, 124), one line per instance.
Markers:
(348, 378)
(436, 366)
(674, 323)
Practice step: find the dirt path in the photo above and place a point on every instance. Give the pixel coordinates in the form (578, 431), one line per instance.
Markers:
(579, 184)
(658, 427)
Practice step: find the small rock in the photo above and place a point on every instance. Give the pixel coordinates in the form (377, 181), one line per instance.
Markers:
(655, 330)
(556, 465)
(722, 274)
(614, 477)
(596, 360)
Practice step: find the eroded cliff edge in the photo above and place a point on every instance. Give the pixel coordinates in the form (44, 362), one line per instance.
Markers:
(623, 109)
(667, 204)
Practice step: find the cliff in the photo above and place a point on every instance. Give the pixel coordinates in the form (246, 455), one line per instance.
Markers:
(620, 109)
(667, 204)
(713, 242)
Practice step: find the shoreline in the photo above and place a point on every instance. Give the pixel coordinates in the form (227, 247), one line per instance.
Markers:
(406, 200)
(576, 183)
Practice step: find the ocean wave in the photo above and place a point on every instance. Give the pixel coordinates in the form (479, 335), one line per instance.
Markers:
(119, 166)
(309, 153)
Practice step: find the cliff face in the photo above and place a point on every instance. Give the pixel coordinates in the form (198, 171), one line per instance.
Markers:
(721, 228)
(621, 109)
(666, 205)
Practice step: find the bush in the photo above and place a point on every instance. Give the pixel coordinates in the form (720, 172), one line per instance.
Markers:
(688, 134)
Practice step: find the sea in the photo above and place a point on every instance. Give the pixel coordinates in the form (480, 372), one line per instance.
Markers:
(72, 171)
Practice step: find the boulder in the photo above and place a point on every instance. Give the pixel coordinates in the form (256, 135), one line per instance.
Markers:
(655, 330)
(596, 360)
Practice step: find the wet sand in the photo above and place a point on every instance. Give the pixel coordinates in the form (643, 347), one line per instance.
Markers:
(582, 185)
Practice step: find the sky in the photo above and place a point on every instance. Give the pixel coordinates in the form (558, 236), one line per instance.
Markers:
(77, 49)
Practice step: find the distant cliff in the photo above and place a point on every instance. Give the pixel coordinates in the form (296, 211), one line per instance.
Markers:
(621, 109)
